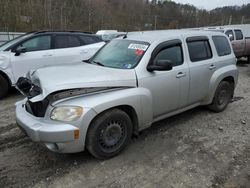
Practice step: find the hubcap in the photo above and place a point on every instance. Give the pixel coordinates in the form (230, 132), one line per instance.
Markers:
(222, 97)
(111, 135)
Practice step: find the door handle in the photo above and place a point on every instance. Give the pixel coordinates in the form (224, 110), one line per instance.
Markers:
(180, 74)
(212, 67)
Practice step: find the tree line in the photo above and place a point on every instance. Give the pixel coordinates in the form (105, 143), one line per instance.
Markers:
(122, 15)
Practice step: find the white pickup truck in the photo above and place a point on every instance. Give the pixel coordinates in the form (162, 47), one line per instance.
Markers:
(40, 49)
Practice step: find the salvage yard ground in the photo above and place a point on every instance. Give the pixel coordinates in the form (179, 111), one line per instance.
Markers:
(197, 148)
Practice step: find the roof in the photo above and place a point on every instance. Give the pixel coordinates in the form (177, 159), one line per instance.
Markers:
(152, 36)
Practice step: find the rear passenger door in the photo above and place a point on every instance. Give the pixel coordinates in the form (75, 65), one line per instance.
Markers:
(202, 67)
(92, 45)
(67, 48)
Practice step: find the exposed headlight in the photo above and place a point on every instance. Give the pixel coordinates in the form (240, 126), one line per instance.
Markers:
(66, 113)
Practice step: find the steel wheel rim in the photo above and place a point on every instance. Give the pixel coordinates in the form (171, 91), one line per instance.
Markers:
(112, 136)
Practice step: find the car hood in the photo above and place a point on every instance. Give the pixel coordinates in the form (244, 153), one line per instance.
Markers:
(80, 75)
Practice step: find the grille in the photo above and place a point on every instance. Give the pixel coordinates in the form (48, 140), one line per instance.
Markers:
(37, 109)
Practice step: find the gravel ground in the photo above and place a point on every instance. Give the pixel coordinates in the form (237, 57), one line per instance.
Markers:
(197, 148)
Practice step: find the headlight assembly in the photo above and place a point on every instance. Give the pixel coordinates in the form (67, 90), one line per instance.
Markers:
(66, 113)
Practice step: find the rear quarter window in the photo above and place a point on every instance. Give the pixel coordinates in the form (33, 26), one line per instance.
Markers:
(238, 34)
(222, 45)
(199, 50)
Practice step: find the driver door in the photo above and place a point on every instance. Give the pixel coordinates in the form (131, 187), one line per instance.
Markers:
(169, 89)
(38, 54)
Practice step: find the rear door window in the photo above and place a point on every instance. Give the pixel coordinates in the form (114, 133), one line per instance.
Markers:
(222, 45)
(238, 34)
(88, 39)
(67, 41)
(199, 50)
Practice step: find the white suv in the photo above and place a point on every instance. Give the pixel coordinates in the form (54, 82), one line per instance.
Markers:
(45, 48)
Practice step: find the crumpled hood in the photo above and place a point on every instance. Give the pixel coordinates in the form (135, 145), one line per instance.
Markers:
(80, 75)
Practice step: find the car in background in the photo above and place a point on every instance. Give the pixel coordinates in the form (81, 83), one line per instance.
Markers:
(239, 36)
(40, 49)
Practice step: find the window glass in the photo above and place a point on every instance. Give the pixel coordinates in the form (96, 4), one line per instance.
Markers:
(238, 34)
(66, 41)
(37, 43)
(173, 54)
(230, 34)
(222, 45)
(88, 40)
(121, 54)
(199, 50)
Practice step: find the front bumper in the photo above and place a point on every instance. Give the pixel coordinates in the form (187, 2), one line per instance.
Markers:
(57, 136)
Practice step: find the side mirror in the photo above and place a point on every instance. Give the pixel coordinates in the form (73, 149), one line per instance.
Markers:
(20, 50)
(161, 65)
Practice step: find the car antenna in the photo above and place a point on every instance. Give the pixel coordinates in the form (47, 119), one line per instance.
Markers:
(125, 36)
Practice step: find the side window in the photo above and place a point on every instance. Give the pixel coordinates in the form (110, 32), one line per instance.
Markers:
(222, 45)
(38, 43)
(66, 41)
(174, 54)
(238, 34)
(199, 50)
(230, 34)
(88, 40)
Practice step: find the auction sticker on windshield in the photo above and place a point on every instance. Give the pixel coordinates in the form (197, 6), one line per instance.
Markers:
(138, 47)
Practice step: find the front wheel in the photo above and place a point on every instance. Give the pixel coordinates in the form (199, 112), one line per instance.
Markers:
(4, 87)
(222, 97)
(109, 134)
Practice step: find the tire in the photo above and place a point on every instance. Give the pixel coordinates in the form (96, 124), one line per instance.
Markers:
(109, 134)
(248, 59)
(222, 97)
(4, 87)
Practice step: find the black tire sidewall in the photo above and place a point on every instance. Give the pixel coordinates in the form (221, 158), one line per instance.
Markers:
(220, 107)
(92, 141)
(4, 87)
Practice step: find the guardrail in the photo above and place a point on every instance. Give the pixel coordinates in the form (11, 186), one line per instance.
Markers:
(6, 36)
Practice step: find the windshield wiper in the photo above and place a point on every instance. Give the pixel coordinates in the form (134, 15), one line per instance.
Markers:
(86, 61)
(98, 63)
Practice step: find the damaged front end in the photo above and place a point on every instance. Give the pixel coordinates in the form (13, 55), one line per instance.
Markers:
(38, 108)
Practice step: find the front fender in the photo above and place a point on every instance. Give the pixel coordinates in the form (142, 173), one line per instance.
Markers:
(217, 77)
(139, 99)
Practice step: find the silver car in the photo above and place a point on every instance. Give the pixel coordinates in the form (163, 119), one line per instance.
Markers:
(130, 83)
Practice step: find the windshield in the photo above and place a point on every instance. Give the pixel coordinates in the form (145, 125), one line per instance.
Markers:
(9, 43)
(121, 54)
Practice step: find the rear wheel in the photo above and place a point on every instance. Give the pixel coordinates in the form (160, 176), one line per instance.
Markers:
(222, 97)
(4, 87)
(109, 134)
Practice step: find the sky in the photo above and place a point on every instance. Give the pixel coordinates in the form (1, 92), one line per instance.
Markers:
(211, 4)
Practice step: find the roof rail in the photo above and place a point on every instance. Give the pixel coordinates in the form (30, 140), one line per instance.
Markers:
(44, 31)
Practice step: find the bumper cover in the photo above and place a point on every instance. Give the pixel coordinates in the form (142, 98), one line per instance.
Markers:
(41, 130)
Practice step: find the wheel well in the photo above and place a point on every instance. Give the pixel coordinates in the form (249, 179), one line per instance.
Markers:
(131, 113)
(229, 79)
(6, 77)
(133, 116)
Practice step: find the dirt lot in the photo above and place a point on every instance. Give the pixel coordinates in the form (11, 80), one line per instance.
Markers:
(197, 148)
